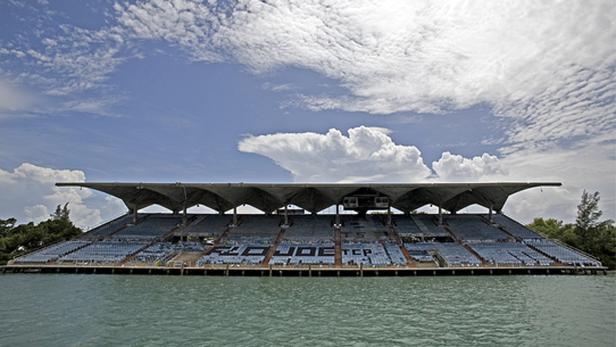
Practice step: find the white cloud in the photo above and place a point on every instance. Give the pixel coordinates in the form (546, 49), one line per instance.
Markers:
(366, 154)
(371, 155)
(29, 194)
(452, 167)
(549, 65)
(13, 99)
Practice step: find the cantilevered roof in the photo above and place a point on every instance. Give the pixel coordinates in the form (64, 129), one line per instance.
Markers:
(313, 197)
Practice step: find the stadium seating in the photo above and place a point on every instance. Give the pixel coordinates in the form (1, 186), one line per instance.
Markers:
(418, 226)
(304, 253)
(235, 253)
(107, 251)
(309, 228)
(514, 228)
(151, 227)
(211, 225)
(367, 228)
(561, 253)
(255, 229)
(163, 251)
(108, 228)
(453, 253)
(465, 240)
(395, 254)
(366, 253)
(53, 252)
(473, 228)
(509, 253)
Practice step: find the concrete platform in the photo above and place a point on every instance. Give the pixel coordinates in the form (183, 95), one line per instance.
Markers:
(308, 271)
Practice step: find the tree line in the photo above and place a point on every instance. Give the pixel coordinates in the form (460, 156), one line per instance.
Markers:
(17, 240)
(589, 233)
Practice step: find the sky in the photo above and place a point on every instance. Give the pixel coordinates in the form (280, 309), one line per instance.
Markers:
(306, 91)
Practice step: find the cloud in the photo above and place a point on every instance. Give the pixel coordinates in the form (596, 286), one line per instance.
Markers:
(29, 194)
(546, 65)
(13, 99)
(313, 157)
(452, 167)
(549, 66)
(371, 155)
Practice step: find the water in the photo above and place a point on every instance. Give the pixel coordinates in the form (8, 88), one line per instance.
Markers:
(87, 310)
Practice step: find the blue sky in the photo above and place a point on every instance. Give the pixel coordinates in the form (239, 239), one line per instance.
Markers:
(184, 91)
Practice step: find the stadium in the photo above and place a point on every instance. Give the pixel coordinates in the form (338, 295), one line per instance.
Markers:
(375, 231)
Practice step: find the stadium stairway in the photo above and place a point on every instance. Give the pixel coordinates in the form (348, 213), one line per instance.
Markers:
(393, 235)
(217, 242)
(130, 257)
(273, 247)
(338, 249)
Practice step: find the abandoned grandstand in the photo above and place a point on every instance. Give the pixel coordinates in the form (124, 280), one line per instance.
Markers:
(373, 232)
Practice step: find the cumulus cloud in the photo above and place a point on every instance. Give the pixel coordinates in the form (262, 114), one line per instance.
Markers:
(452, 167)
(29, 194)
(313, 157)
(371, 155)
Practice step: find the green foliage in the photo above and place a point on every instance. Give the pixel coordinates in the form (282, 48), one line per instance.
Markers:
(588, 234)
(16, 240)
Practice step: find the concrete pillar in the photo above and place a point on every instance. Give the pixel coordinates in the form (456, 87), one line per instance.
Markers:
(235, 216)
(440, 215)
(490, 213)
(135, 209)
(286, 216)
(337, 215)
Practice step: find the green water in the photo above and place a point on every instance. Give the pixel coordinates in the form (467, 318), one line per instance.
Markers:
(88, 310)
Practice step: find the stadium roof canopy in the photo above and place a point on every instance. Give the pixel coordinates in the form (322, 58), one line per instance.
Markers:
(313, 197)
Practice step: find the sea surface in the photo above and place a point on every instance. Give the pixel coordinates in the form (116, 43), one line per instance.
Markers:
(108, 310)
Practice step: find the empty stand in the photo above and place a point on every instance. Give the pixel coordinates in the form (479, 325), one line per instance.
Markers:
(473, 228)
(53, 252)
(510, 253)
(309, 228)
(562, 254)
(109, 228)
(151, 227)
(163, 251)
(107, 251)
(304, 253)
(418, 226)
(363, 228)
(454, 254)
(211, 225)
(514, 228)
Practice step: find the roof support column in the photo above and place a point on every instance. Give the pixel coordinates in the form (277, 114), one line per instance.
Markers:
(185, 217)
(234, 216)
(286, 216)
(135, 209)
(389, 215)
(440, 215)
(337, 215)
(490, 212)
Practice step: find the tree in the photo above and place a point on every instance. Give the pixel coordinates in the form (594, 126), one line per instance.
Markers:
(16, 240)
(587, 221)
(62, 212)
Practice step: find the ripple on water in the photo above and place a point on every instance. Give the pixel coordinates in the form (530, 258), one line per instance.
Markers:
(90, 310)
